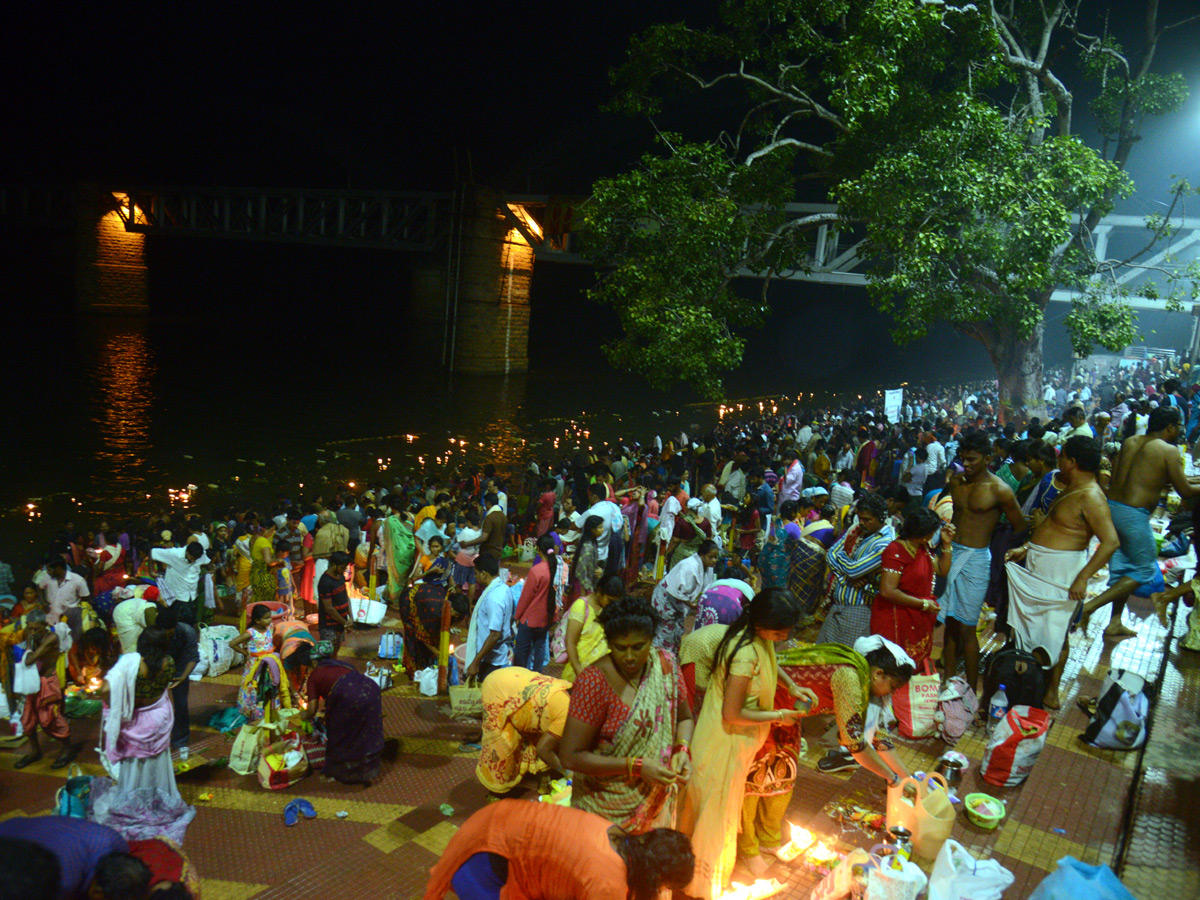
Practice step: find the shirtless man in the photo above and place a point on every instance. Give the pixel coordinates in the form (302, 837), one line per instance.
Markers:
(1057, 553)
(980, 498)
(1146, 464)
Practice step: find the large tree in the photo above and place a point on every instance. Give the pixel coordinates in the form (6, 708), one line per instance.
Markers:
(946, 135)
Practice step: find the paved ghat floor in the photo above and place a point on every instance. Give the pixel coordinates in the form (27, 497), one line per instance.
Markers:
(1079, 801)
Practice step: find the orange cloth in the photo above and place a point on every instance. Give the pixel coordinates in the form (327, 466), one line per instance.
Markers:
(552, 851)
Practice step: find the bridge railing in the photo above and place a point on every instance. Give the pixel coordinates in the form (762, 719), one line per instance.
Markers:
(389, 220)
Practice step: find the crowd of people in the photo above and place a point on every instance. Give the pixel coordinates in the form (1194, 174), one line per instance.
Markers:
(668, 580)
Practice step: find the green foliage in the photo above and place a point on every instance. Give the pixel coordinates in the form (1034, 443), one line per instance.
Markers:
(947, 149)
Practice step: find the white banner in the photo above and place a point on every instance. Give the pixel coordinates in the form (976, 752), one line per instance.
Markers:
(892, 401)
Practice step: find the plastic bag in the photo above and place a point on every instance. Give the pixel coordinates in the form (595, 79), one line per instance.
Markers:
(1015, 745)
(466, 701)
(916, 704)
(887, 883)
(840, 881)
(283, 763)
(26, 679)
(957, 875)
(1120, 719)
(1075, 880)
(427, 681)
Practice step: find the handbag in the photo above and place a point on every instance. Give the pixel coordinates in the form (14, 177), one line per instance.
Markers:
(466, 701)
(75, 797)
(1119, 722)
(247, 746)
(283, 763)
(558, 638)
(916, 704)
(26, 679)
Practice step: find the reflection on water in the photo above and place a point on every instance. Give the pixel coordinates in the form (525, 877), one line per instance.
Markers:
(120, 368)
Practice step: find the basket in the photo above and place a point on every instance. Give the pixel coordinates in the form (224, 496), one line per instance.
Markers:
(989, 813)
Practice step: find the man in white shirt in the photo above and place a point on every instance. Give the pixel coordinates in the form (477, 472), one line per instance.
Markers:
(711, 508)
(64, 590)
(937, 455)
(182, 576)
(611, 545)
(804, 436)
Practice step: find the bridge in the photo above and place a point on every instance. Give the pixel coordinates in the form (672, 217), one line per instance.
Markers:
(474, 248)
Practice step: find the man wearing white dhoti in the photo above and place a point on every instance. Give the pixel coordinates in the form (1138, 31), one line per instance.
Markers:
(1046, 594)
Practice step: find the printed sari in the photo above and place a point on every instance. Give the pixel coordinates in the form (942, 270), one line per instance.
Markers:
(519, 706)
(353, 722)
(421, 612)
(635, 804)
(400, 546)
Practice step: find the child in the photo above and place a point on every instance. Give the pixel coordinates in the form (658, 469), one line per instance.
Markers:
(258, 642)
(462, 569)
(747, 528)
(285, 588)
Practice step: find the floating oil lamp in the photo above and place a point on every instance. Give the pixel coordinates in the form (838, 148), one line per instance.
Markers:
(801, 840)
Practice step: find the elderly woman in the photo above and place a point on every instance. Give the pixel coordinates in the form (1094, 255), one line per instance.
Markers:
(629, 725)
(676, 598)
(524, 714)
(353, 709)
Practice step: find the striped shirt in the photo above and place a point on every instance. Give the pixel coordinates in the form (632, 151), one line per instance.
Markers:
(866, 559)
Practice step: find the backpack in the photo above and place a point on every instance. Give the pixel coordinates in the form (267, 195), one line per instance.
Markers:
(957, 708)
(1119, 722)
(1021, 674)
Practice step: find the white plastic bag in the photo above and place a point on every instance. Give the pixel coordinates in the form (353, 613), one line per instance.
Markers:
(26, 679)
(367, 612)
(426, 680)
(957, 875)
(220, 657)
(886, 883)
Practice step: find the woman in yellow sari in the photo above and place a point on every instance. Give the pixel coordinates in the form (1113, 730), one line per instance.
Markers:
(524, 714)
(738, 712)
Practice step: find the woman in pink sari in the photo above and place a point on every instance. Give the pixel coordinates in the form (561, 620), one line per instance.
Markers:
(135, 745)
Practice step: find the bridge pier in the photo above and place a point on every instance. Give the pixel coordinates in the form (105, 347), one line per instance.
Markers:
(481, 296)
(110, 265)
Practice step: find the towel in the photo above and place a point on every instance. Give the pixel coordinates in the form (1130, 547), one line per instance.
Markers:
(121, 678)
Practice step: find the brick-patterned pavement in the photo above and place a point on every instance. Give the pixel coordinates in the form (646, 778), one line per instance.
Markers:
(1075, 803)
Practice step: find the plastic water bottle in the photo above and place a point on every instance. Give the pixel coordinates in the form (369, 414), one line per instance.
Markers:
(997, 708)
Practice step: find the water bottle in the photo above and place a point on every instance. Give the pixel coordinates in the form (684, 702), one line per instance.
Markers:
(997, 708)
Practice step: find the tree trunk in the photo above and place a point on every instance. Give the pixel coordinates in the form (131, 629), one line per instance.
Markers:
(1018, 365)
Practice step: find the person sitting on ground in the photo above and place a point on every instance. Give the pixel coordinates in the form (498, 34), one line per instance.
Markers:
(522, 849)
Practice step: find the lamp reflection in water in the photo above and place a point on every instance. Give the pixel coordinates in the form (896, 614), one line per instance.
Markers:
(122, 370)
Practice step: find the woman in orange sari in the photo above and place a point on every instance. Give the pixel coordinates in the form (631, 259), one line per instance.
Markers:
(904, 610)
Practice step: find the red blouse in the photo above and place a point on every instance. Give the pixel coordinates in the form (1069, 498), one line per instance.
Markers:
(595, 703)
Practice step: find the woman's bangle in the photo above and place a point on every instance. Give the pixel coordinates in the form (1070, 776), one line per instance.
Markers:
(637, 766)
(629, 766)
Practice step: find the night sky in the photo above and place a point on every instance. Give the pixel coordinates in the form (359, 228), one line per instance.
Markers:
(397, 96)
(378, 95)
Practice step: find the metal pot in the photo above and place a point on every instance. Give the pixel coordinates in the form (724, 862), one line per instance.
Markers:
(951, 770)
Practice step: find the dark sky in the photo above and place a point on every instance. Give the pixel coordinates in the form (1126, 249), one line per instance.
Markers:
(378, 95)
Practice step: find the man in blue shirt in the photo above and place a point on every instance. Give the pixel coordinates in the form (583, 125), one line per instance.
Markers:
(491, 625)
(89, 855)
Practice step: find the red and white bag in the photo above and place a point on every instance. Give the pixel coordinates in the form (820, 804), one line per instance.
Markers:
(1014, 746)
(915, 705)
(957, 708)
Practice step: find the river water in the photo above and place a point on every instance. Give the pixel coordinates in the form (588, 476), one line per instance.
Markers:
(230, 391)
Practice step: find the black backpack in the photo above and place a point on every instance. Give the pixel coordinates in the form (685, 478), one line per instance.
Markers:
(1021, 674)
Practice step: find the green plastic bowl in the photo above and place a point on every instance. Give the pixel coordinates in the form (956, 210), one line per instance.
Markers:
(990, 813)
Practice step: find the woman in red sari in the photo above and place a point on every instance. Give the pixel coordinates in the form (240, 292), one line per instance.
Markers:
(904, 610)
(864, 460)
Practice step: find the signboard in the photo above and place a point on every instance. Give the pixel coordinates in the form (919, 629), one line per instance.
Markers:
(892, 401)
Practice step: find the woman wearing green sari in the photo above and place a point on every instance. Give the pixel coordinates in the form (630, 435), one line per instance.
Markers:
(399, 547)
(629, 725)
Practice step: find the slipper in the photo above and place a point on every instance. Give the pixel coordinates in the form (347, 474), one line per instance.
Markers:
(66, 757)
(306, 808)
(25, 761)
(1088, 705)
(290, 815)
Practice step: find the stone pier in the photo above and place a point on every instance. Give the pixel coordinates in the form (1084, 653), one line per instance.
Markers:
(110, 265)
